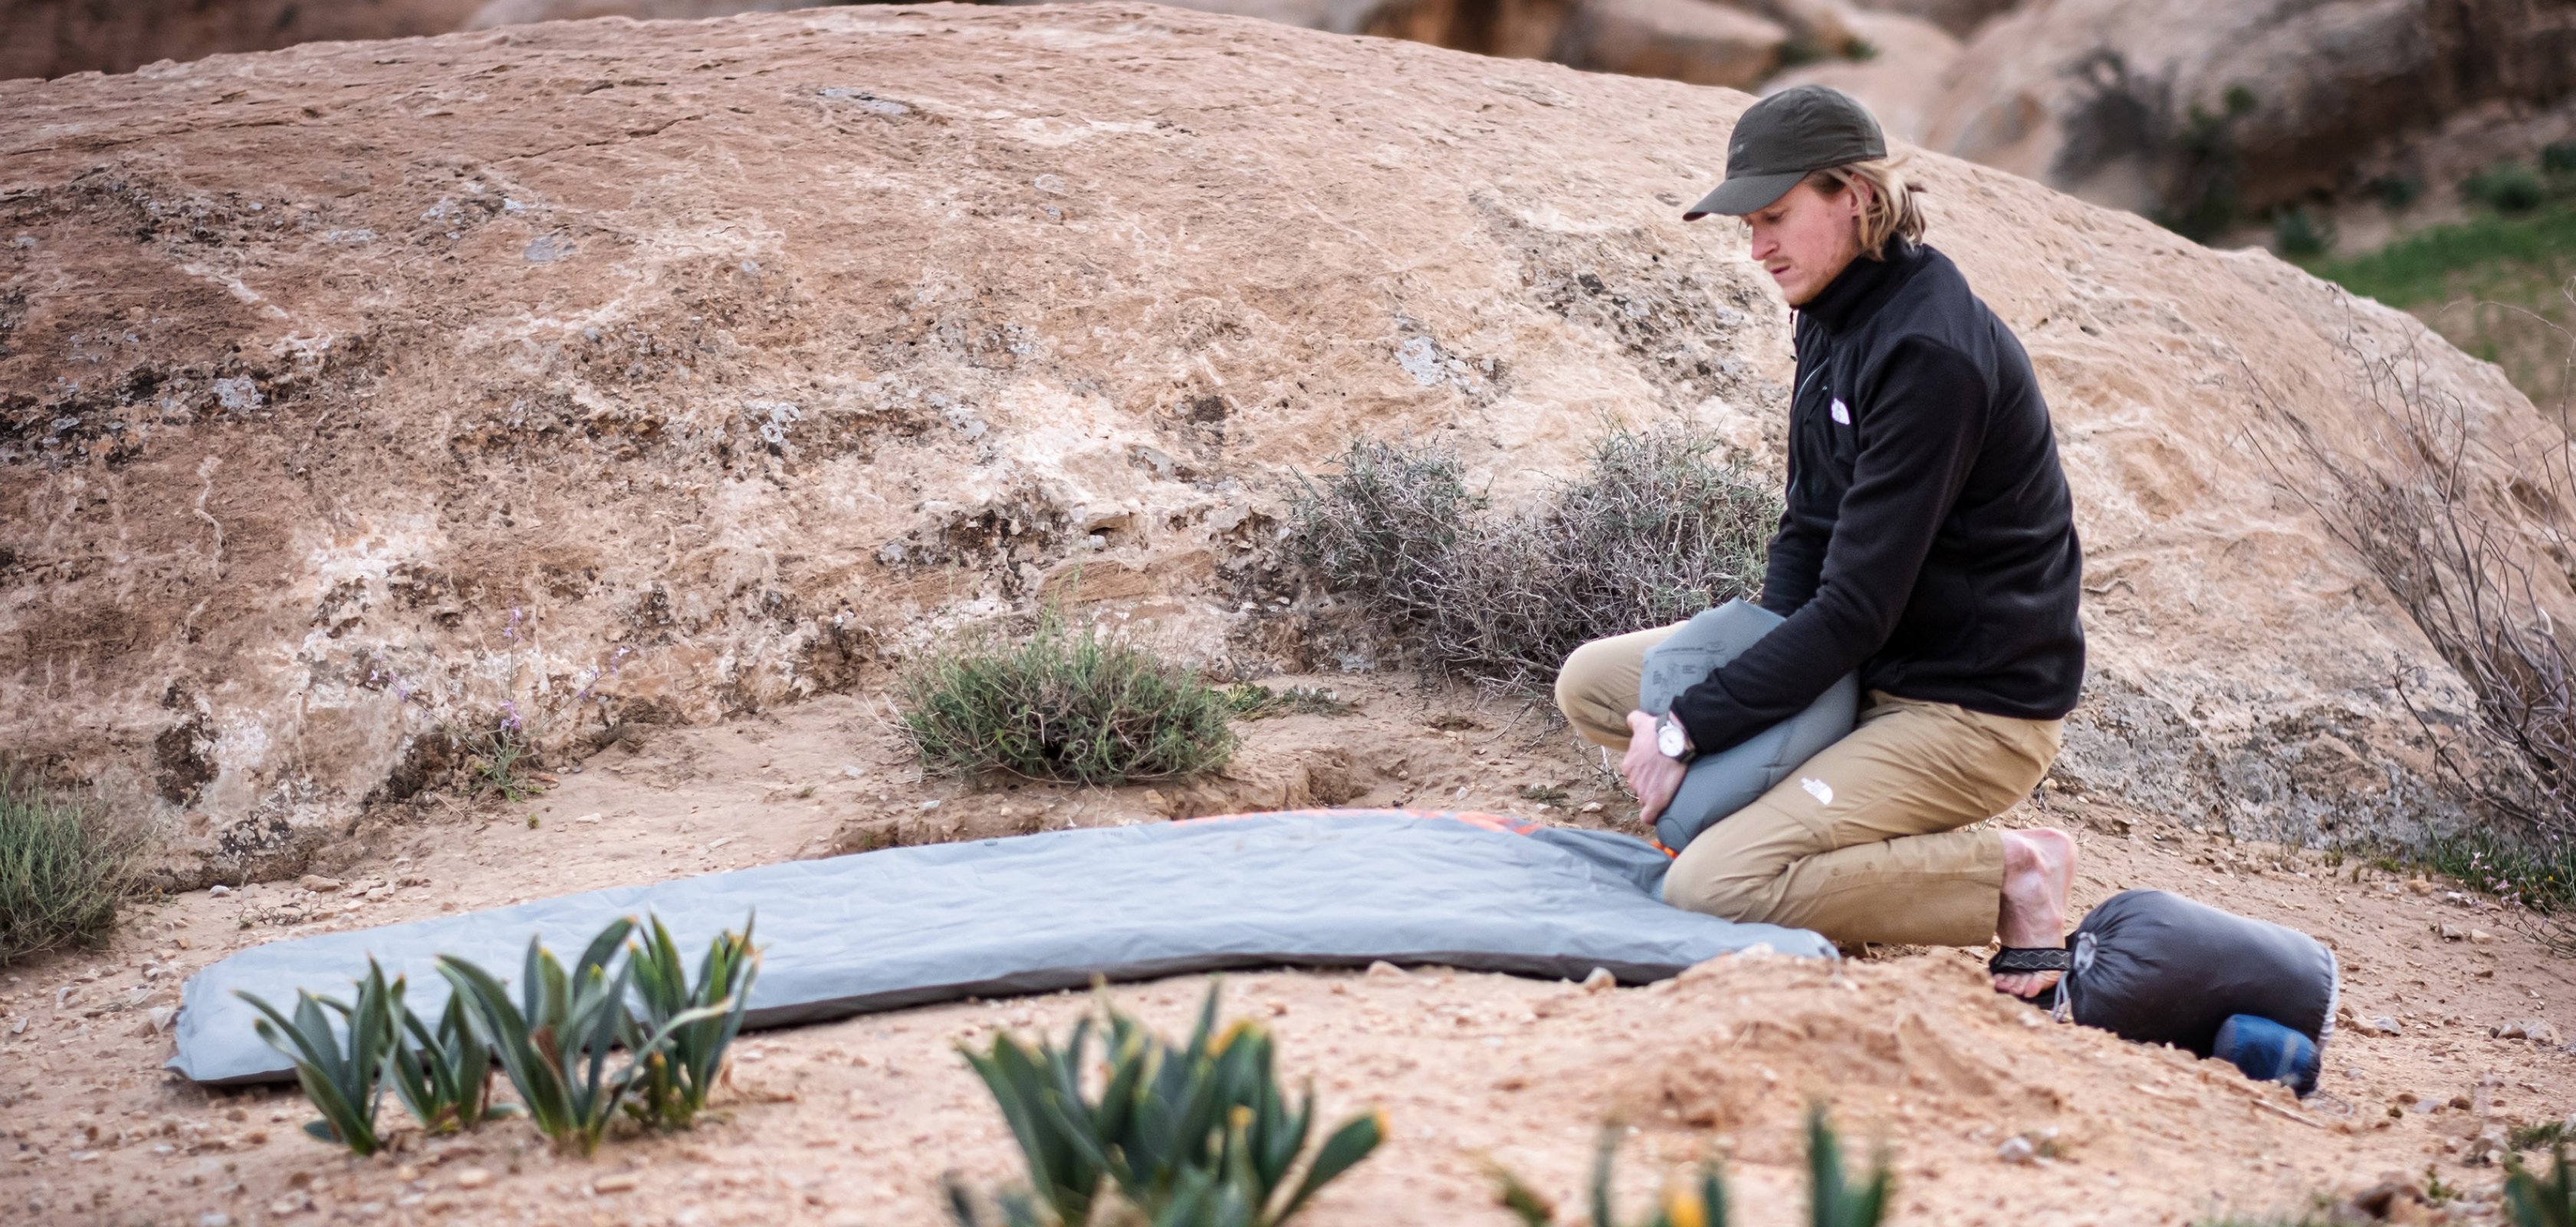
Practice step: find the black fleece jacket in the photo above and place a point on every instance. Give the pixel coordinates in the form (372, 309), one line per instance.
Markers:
(1929, 540)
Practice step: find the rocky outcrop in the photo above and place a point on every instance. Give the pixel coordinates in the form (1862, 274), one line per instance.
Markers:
(1958, 18)
(1902, 81)
(2186, 106)
(50, 38)
(357, 401)
(497, 13)
(1697, 41)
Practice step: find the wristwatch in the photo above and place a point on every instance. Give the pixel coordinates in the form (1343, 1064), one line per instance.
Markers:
(1672, 740)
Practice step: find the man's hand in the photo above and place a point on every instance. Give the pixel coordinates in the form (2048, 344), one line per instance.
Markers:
(1653, 777)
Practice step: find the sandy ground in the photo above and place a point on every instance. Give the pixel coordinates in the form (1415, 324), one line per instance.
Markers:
(854, 1122)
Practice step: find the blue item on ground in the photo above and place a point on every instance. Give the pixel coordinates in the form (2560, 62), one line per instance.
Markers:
(2267, 1051)
(1035, 913)
(1720, 784)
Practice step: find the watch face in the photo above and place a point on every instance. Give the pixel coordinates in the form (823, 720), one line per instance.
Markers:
(1668, 738)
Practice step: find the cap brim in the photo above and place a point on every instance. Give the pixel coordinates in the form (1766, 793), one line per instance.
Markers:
(1744, 194)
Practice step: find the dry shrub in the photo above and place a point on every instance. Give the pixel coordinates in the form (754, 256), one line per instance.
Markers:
(2475, 546)
(65, 865)
(1656, 529)
(1071, 702)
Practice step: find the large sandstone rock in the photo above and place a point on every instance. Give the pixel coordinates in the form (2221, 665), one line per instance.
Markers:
(497, 13)
(1959, 18)
(49, 38)
(358, 395)
(1904, 79)
(1698, 41)
(2098, 96)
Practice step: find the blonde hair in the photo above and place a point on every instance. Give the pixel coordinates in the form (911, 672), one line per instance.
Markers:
(1889, 210)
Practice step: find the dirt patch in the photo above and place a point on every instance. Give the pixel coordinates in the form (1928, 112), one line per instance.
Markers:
(853, 1122)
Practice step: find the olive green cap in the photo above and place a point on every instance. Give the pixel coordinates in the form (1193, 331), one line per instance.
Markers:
(1785, 138)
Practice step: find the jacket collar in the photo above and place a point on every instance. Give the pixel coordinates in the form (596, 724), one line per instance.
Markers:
(1863, 286)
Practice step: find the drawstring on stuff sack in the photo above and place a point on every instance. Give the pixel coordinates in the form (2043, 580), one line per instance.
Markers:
(2064, 1011)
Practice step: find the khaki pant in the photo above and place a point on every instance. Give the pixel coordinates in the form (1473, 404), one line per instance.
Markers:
(1860, 843)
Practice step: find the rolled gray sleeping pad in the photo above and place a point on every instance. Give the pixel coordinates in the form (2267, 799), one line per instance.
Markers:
(1720, 784)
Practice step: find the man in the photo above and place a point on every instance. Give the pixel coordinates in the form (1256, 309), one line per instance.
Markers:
(1929, 542)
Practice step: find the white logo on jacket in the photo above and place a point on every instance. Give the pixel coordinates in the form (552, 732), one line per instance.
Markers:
(1842, 412)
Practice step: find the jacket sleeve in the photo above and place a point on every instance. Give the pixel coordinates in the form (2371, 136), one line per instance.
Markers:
(1921, 433)
(1796, 560)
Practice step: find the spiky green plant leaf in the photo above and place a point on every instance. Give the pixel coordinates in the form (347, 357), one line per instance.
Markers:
(444, 1076)
(345, 1081)
(701, 1018)
(1191, 1135)
(1832, 1202)
(2533, 1202)
(555, 1042)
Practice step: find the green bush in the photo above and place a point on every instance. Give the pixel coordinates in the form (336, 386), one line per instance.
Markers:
(2558, 157)
(2507, 187)
(2395, 192)
(1832, 1201)
(1656, 529)
(1197, 1135)
(2300, 232)
(1068, 703)
(65, 865)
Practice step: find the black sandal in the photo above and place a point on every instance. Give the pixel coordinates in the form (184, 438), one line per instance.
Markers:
(2020, 960)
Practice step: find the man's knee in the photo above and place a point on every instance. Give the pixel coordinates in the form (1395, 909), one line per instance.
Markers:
(1580, 686)
(1725, 896)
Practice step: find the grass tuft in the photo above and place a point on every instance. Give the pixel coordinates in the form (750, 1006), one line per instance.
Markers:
(500, 764)
(2540, 875)
(1071, 702)
(2534, 1137)
(1656, 529)
(65, 865)
(1251, 701)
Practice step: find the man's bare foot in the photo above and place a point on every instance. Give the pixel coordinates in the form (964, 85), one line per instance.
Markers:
(2039, 877)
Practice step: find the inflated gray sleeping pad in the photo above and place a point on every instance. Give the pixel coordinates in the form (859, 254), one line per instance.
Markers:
(1035, 913)
(1720, 784)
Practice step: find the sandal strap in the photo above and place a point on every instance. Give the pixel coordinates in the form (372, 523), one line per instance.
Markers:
(2012, 960)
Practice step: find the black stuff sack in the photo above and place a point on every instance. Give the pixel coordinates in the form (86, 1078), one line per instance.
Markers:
(2157, 968)
(1720, 784)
